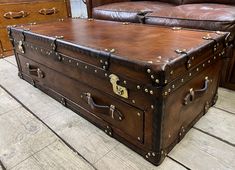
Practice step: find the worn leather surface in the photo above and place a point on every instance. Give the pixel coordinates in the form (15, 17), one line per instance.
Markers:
(177, 2)
(197, 16)
(128, 11)
(209, 1)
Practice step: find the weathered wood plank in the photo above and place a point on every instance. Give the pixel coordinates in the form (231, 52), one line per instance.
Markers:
(226, 100)
(122, 157)
(218, 123)
(200, 151)
(11, 59)
(55, 156)
(6, 102)
(21, 135)
(87, 139)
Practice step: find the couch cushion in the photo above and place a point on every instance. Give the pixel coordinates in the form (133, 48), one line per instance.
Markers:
(198, 16)
(209, 1)
(127, 11)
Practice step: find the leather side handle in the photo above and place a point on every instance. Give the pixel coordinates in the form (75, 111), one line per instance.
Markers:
(35, 71)
(45, 11)
(194, 94)
(15, 15)
(109, 110)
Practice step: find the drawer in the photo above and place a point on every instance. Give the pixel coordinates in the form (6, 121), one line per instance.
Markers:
(5, 44)
(22, 13)
(126, 118)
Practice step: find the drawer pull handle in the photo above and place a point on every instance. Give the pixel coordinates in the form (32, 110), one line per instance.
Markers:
(194, 94)
(45, 11)
(15, 15)
(110, 110)
(35, 71)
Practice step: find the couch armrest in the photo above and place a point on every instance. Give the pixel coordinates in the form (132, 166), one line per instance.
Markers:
(90, 4)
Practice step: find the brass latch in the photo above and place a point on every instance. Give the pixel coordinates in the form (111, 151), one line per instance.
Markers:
(117, 89)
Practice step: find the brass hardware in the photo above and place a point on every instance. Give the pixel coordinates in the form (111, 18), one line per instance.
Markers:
(151, 92)
(45, 11)
(124, 81)
(106, 75)
(176, 28)
(166, 81)
(133, 101)
(173, 86)
(148, 71)
(138, 114)
(180, 51)
(166, 93)
(139, 138)
(138, 86)
(20, 47)
(59, 37)
(182, 80)
(172, 72)
(101, 61)
(152, 76)
(117, 89)
(190, 74)
(157, 80)
(207, 37)
(15, 15)
(152, 107)
(125, 23)
(146, 90)
(112, 50)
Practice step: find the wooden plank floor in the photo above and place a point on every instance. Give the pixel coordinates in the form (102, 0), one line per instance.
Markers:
(50, 136)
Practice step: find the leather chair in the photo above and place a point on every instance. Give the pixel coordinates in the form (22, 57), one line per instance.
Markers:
(216, 15)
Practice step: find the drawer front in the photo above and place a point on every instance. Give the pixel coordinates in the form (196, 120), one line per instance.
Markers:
(11, 14)
(5, 44)
(120, 115)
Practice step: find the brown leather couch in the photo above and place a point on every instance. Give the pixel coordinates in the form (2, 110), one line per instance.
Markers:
(217, 15)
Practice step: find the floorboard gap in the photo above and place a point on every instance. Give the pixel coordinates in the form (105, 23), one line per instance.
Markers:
(218, 138)
(224, 110)
(178, 162)
(71, 147)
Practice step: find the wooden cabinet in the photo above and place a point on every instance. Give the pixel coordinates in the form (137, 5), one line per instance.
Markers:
(19, 12)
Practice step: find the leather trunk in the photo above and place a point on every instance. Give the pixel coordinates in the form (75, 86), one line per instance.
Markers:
(145, 87)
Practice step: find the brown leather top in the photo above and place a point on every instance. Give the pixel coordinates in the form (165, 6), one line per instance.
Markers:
(134, 42)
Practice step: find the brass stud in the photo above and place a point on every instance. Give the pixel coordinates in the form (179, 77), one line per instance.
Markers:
(69, 61)
(133, 101)
(173, 86)
(148, 71)
(105, 131)
(152, 76)
(110, 133)
(209, 61)
(106, 75)
(171, 72)
(77, 64)
(169, 136)
(190, 74)
(162, 152)
(138, 113)
(192, 58)
(152, 107)
(104, 67)
(124, 81)
(153, 154)
(169, 90)
(139, 138)
(112, 50)
(166, 81)
(203, 65)
(149, 154)
(151, 92)
(95, 71)
(197, 69)
(106, 63)
(81, 96)
(182, 80)
(106, 49)
(101, 61)
(85, 67)
(120, 118)
(157, 80)
(146, 90)
(214, 57)
(138, 86)
(146, 156)
(166, 93)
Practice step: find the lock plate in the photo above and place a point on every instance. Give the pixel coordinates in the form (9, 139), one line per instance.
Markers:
(117, 89)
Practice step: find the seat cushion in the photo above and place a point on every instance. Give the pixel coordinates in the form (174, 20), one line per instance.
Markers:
(127, 11)
(209, 1)
(216, 17)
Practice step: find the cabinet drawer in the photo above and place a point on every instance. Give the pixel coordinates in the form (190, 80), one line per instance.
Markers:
(5, 44)
(32, 12)
(120, 115)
